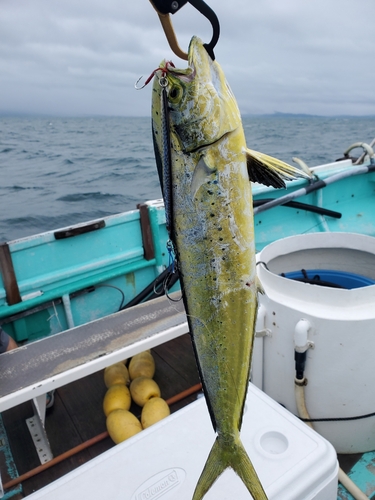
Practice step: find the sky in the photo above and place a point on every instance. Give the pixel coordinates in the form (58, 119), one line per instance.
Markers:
(83, 57)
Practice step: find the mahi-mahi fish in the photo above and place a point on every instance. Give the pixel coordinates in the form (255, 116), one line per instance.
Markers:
(205, 171)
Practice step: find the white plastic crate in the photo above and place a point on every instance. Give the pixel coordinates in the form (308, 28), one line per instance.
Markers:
(165, 461)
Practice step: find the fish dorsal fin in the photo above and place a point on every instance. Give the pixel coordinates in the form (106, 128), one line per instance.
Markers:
(270, 171)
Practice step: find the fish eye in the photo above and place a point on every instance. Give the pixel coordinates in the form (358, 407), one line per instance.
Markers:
(174, 93)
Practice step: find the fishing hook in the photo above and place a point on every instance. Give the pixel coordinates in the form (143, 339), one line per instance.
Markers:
(166, 7)
(162, 80)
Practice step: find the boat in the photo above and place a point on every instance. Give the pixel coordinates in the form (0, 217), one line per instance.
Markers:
(62, 289)
(64, 278)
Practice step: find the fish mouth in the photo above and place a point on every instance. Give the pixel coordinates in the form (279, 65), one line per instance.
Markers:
(184, 75)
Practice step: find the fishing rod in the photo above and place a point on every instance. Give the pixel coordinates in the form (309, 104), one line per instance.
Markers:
(301, 206)
(314, 186)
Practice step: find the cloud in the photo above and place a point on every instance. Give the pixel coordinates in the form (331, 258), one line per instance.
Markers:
(83, 57)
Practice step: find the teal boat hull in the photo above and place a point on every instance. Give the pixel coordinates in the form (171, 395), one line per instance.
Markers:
(56, 280)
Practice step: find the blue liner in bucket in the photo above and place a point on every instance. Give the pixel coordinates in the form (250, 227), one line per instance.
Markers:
(324, 277)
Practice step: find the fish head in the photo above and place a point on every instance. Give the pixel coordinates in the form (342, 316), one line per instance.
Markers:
(201, 105)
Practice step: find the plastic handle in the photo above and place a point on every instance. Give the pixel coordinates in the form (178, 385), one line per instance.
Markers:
(168, 6)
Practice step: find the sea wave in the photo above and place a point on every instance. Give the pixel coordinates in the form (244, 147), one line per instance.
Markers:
(62, 171)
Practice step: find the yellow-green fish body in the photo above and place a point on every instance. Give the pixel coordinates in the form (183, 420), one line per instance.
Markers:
(211, 226)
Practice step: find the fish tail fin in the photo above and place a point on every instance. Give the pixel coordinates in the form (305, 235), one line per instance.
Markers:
(245, 469)
(212, 470)
(222, 456)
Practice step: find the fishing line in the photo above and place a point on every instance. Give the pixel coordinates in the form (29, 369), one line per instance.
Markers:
(55, 315)
(115, 288)
(173, 275)
(337, 419)
(169, 281)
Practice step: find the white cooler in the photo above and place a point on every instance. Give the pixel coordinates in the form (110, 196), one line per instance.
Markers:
(165, 461)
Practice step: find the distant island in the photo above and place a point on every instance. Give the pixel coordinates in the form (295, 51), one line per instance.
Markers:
(303, 115)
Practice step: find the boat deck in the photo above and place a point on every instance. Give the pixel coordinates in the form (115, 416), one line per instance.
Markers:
(77, 417)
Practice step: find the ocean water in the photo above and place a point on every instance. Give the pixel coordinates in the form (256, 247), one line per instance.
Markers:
(56, 171)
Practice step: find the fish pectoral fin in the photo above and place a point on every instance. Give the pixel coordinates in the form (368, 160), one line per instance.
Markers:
(222, 456)
(271, 171)
(201, 175)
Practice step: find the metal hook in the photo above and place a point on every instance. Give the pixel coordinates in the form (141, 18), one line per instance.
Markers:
(136, 84)
(209, 14)
(166, 7)
(162, 80)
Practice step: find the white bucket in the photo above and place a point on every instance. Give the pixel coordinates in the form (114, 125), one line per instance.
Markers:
(340, 326)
